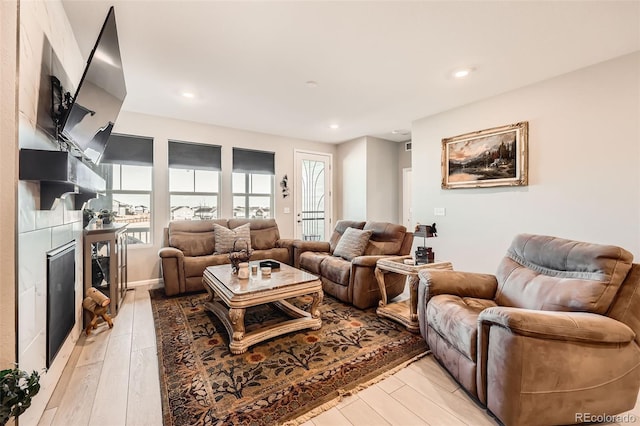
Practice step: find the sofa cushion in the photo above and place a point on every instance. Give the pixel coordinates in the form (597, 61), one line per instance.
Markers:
(193, 237)
(386, 238)
(554, 274)
(311, 260)
(339, 229)
(278, 254)
(264, 232)
(352, 243)
(455, 319)
(195, 266)
(225, 238)
(336, 269)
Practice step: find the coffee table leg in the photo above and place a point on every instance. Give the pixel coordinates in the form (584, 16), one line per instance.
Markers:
(379, 273)
(236, 316)
(413, 282)
(315, 304)
(212, 295)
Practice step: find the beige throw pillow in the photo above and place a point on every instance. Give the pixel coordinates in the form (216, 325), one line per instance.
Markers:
(352, 244)
(224, 237)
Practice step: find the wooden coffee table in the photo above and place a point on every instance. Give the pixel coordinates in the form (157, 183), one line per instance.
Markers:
(405, 311)
(229, 298)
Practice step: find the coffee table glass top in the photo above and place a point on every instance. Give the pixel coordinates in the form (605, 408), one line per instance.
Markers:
(281, 277)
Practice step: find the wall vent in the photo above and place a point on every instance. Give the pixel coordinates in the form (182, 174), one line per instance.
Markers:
(407, 146)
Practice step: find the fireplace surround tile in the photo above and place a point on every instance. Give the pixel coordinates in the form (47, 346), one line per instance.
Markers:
(32, 251)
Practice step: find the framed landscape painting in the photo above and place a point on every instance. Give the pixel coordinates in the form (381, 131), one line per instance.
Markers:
(486, 158)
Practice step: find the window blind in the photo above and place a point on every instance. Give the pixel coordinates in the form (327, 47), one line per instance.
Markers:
(251, 161)
(130, 150)
(188, 155)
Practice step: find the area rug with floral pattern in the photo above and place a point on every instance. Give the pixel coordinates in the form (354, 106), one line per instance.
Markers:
(275, 381)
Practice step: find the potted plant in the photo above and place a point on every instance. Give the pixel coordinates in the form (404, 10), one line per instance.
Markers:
(17, 387)
(107, 216)
(87, 216)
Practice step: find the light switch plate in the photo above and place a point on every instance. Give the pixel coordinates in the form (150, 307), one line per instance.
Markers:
(439, 211)
(287, 210)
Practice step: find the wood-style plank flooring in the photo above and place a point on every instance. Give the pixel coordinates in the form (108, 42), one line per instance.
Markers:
(112, 379)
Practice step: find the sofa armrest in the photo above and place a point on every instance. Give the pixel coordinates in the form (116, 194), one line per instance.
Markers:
(463, 284)
(285, 243)
(172, 267)
(300, 246)
(170, 252)
(368, 261)
(288, 244)
(573, 326)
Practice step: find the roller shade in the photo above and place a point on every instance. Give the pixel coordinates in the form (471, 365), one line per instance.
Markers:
(251, 161)
(187, 155)
(130, 150)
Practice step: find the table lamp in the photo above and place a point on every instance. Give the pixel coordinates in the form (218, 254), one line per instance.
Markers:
(425, 254)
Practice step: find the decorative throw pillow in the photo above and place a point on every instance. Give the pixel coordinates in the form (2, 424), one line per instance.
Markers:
(224, 237)
(352, 244)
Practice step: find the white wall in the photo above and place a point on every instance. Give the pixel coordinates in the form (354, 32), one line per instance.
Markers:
(584, 179)
(8, 181)
(367, 180)
(351, 180)
(47, 46)
(144, 262)
(382, 180)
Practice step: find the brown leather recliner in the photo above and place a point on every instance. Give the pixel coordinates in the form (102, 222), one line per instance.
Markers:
(354, 281)
(189, 249)
(553, 338)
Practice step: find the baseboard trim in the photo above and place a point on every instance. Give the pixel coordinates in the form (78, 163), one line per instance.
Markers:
(153, 282)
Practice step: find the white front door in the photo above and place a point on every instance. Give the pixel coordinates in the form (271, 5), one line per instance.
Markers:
(312, 186)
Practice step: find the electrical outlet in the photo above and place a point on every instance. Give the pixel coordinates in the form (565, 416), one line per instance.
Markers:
(439, 211)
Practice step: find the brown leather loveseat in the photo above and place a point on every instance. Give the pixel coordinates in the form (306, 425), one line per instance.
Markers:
(352, 280)
(553, 338)
(190, 246)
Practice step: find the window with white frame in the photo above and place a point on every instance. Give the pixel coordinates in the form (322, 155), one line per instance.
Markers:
(127, 165)
(194, 180)
(253, 183)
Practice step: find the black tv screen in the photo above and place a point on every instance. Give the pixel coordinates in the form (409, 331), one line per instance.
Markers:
(99, 97)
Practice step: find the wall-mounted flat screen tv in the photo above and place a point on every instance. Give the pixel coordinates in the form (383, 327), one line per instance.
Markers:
(99, 96)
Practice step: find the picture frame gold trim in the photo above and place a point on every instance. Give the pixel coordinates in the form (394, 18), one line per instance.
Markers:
(486, 158)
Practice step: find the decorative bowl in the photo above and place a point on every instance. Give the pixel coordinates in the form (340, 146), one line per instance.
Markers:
(241, 253)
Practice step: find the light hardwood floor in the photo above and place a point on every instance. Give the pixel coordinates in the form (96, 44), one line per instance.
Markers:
(112, 379)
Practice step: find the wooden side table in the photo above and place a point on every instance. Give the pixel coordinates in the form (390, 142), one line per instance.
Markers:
(406, 311)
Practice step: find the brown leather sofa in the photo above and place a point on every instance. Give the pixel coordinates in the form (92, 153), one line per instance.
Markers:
(553, 336)
(189, 249)
(354, 281)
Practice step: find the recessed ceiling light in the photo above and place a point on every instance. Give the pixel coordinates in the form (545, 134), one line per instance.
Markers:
(189, 95)
(311, 83)
(334, 126)
(400, 132)
(462, 72)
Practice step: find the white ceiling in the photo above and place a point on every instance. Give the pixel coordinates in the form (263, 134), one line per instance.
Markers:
(379, 65)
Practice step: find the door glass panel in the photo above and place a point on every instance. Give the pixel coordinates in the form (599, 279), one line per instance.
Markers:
(313, 199)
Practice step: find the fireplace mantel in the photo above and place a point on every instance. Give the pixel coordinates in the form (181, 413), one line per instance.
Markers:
(60, 174)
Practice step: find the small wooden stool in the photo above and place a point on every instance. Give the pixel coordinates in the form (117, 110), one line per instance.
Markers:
(96, 303)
